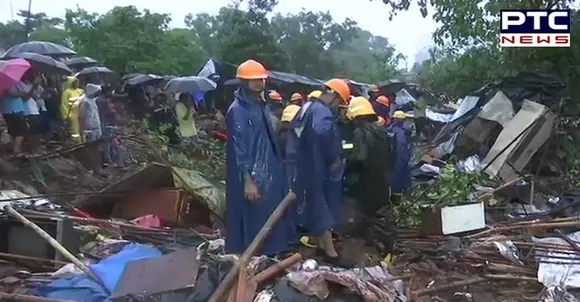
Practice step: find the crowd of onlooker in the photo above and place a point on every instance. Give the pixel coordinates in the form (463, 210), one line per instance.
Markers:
(172, 115)
(41, 109)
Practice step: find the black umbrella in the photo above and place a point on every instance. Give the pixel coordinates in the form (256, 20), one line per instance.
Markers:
(44, 63)
(190, 84)
(144, 79)
(391, 86)
(99, 70)
(40, 47)
(81, 62)
(130, 76)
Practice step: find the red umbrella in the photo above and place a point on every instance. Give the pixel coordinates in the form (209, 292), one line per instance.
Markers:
(11, 72)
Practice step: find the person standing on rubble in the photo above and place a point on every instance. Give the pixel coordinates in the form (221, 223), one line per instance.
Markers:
(109, 126)
(13, 109)
(401, 179)
(314, 157)
(256, 180)
(420, 117)
(69, 108)
(185, 112)
(367, 172)
(90, 126)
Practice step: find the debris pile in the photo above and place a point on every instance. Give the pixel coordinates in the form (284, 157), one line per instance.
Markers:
(482, 223)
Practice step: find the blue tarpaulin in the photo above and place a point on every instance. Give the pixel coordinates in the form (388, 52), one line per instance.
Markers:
(83, 288)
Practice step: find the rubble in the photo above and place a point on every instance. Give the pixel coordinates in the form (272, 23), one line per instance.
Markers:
(481, 224)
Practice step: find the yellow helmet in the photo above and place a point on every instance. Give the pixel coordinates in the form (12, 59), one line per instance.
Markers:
(289, 113)
(359, 106)
(314, 94)
(399, 115)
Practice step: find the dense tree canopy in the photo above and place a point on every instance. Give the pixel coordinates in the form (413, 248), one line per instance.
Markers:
(129, 40)
(468, 55)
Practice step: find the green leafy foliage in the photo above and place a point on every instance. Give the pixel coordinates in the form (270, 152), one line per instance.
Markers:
(450, 189)
(41, 27)
(208, 157)
(129, 40)
(453, 187)
(467, 53)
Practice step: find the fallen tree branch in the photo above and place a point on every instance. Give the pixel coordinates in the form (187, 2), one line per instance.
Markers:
(487, 277)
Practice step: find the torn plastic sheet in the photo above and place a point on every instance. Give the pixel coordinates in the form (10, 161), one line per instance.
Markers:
(372, 284)
(508, 250)
(264, 296)
(465, 106)
(505, 247)
(446, 147)
(469, 165)
(427, 168)
(7, 198)
(437, 116)
(557, 294)
(566, 272)
(404, 97)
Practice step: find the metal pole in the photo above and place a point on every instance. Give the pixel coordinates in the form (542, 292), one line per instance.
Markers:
(28, 20)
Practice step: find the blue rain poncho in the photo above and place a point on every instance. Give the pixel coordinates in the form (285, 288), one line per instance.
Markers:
(401, 173)
(252, 151)
(313, 145)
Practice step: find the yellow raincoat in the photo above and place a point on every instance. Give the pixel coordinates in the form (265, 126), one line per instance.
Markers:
(186, 123)
(69, 105)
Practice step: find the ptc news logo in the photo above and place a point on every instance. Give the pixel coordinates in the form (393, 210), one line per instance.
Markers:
(535, 28)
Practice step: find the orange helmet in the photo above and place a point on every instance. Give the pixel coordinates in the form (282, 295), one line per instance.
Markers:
(384, 100)
(251, 70)
(374, 88)
(296, 97)
(341, 87)
(274, 95)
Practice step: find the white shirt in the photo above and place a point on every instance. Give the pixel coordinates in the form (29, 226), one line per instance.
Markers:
(31, 107)
(41, 105)
(39, 100)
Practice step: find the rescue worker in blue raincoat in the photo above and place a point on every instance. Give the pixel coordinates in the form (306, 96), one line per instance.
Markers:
(256, 179)
(401, 173)
(314, 157)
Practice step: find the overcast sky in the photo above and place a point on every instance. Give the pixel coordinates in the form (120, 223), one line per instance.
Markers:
(409, 31)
